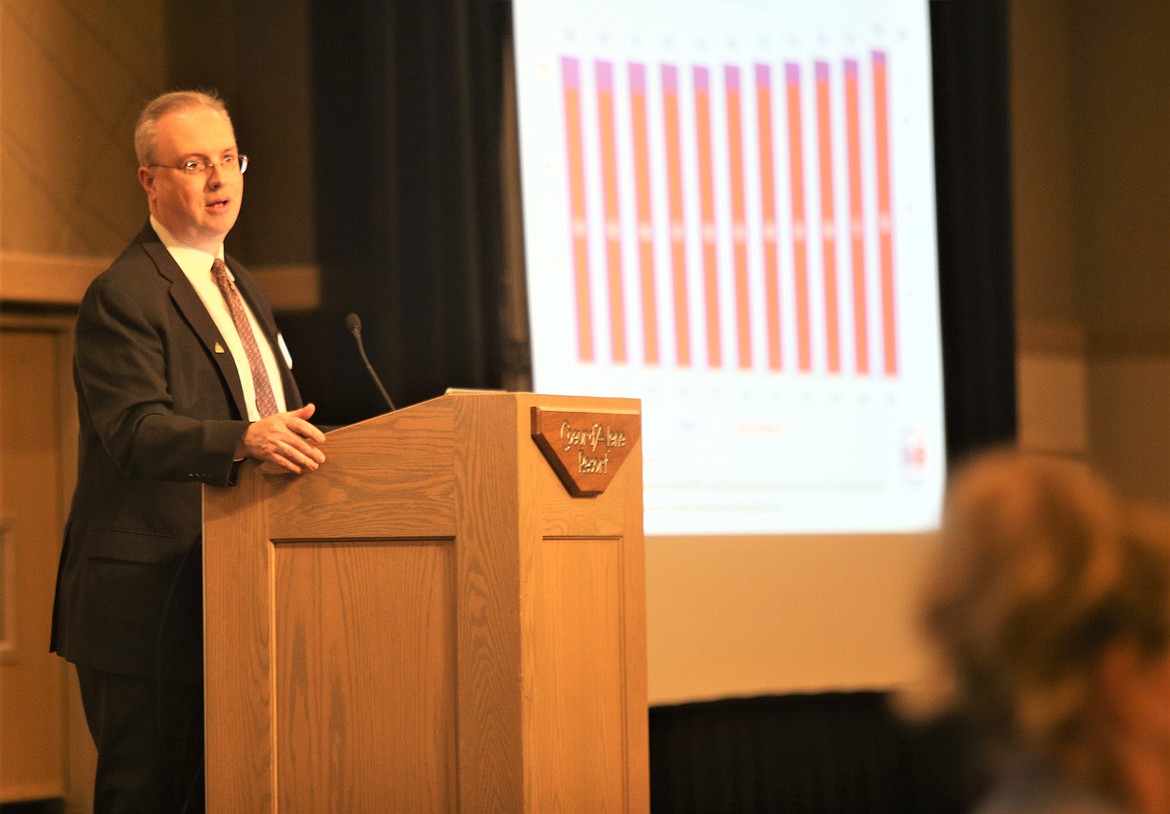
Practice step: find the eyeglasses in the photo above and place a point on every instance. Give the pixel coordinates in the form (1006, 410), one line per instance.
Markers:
(197, 166)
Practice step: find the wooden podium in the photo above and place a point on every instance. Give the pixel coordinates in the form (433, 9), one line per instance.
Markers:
(431, 621)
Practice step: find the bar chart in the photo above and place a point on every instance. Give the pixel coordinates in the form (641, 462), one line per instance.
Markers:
(869, 222)
(846, 305)
(729, 214)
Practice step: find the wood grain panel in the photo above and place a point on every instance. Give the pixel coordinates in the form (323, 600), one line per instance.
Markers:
(237, 622)
(365, 669)
(584, 652)
(580, 657)
(637, 725)
(396, 482)
(563, 515)
(32, 691)
(490, 745)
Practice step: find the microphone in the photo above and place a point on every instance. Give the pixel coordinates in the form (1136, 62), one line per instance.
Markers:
(355, 327)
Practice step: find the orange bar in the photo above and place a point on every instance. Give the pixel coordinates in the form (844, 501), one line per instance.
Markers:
(828, 222)
(885, 211)
(856, 232)
(570, 82)
(738, 217)
(609, 186)
(799, 245)
(645, 230)
(768, 209)
(707, 215)
(678, 258)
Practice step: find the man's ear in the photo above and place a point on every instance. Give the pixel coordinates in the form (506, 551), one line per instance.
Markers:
(146, 178)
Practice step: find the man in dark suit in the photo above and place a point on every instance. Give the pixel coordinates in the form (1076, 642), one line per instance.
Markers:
(180, 374)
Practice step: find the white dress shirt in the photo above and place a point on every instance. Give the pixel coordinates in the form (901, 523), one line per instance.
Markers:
(196, 265)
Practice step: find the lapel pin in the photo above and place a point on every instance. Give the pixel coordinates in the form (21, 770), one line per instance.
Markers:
(218, 348)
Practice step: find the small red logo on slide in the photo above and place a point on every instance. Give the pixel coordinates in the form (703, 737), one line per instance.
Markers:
(914, 449)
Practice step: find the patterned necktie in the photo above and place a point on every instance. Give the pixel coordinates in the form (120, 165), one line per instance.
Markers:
(265, 401)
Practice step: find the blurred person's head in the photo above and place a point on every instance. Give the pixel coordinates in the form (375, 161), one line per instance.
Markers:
(1050, 608)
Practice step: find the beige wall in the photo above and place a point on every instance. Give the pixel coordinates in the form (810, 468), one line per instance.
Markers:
(1052, 369)
(1091, 185)
(73, 78)
(74, 75)
(1122, 127)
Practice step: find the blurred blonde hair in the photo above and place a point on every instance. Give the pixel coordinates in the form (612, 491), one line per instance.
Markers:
(1041, 568)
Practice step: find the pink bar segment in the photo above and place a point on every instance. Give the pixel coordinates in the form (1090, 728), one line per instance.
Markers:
(674, 193)
(579, 224)
(707, 215)
(856, 218)
(734, 110)
(885, 212)
(641, 151)
(609, 185)
(828, 220)
(768, 211)
(799, 226)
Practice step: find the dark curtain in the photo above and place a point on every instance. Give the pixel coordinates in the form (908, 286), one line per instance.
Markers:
(824, 753)
(973, 184)
(407, 111)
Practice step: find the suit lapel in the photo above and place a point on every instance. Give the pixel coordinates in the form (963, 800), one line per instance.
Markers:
(191, 307)
(249, 289)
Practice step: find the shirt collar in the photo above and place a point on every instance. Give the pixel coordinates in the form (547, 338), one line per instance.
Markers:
(190, 259)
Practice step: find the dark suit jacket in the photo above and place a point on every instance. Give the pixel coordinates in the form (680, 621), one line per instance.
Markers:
(161, 413)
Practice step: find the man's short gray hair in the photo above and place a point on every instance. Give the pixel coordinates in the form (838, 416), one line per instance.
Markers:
(160, 106)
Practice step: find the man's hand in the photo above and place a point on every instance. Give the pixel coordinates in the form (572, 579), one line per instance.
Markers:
(285, 439)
